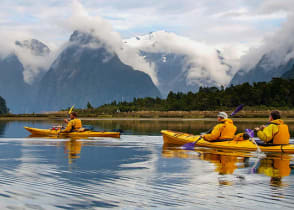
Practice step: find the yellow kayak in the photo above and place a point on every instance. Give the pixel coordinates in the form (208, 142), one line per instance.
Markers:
(178, 138)
(50, 132)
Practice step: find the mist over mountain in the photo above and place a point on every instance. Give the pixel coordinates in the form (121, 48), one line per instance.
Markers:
(182, 65)
(86, 71)
(36, 47)
(35, 57)
(289, 74)
(273, 58)
(265, 70)
(18, 66)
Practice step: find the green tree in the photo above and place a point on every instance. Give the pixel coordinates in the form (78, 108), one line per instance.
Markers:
(89, 106)
(3, 107)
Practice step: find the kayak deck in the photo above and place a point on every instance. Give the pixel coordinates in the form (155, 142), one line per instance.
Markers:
(179, 139)
(49, 132)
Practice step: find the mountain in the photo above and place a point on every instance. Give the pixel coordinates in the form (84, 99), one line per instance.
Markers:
(86, 71)
(36, 47)
(12, 86)
(264, 70)
(179, 67)
(289, 74)
(171, 72)
(33, 54)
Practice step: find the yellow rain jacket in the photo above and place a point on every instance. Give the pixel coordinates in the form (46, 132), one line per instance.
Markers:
(224, 130)
(276, 133)
(73, 125)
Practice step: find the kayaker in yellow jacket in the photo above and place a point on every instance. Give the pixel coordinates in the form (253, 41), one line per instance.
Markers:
(74, 124)
(275, 132)
(224, 130)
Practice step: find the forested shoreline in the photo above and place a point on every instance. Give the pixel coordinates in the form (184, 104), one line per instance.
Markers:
(278, 93)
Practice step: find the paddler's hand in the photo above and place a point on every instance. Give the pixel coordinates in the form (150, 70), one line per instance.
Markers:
(262, 127)
(257, 129)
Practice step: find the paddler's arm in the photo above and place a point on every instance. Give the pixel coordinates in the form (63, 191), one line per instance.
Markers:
(215, 133)
(68, 127)
(266, 134)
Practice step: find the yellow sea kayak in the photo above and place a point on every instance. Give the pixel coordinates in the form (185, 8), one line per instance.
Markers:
(178, 138)
(50, 132)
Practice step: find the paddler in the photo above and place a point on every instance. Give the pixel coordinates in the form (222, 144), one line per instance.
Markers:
(224, 131)
(275, 131)
(74, 124)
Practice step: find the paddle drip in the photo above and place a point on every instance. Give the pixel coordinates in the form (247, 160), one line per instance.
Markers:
(251, 134)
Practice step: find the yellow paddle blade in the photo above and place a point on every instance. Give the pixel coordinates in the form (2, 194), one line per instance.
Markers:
(70, 110)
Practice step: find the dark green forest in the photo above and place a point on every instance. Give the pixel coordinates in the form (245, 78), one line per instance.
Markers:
(276, 93)
(3, 107)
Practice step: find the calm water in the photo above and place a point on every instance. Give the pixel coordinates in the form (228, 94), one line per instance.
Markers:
(136, 171)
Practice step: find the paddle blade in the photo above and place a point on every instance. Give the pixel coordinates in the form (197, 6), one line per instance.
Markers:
(70, 110)
(189, 146)
(250, 132)
(239, 108)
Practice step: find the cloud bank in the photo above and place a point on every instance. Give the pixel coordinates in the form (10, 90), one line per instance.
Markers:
(202, 60)
(203, 26)
(104, 32)
(279, 45)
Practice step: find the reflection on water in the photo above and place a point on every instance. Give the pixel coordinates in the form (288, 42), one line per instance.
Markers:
(73, 149)
(274, 165)
(136, 171)
(2, 127)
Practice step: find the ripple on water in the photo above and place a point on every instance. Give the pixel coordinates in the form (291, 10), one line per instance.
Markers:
(132, 172)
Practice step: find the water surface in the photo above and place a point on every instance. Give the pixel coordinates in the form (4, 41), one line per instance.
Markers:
(136, 171)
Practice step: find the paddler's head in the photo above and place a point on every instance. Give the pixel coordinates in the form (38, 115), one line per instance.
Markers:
(73, 115)
(221, 116)
(274, 115)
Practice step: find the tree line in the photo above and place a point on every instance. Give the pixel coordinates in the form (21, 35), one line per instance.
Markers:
(3, 107)
(276, 93)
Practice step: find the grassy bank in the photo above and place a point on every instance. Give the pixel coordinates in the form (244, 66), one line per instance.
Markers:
(148, 114)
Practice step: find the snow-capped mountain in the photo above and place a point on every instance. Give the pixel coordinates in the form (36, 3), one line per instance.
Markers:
(85, 71)
(181, 64)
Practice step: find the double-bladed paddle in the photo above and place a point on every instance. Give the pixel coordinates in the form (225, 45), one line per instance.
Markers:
(191, 145)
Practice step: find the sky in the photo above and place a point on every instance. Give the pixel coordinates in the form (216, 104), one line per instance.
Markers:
(243, 29)
(242, 23)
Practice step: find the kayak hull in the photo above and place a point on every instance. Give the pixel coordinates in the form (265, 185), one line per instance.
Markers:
(49, 132)
(179, 139)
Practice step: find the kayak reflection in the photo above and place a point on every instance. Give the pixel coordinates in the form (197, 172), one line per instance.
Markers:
(225, 161)
(73, 149)
(274, 165)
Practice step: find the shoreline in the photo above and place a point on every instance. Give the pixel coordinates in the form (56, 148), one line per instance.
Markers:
(137, 119)
(244, 115)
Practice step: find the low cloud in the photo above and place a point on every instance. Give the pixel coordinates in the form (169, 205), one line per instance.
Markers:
(279, 45)
(102, 30)
(202, 61)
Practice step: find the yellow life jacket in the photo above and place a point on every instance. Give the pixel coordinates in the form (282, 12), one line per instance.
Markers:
(76, 124)
(228, 129)
(283, 135)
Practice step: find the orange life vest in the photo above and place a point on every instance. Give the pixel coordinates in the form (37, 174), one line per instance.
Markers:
(283, 135)
(228, 130)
